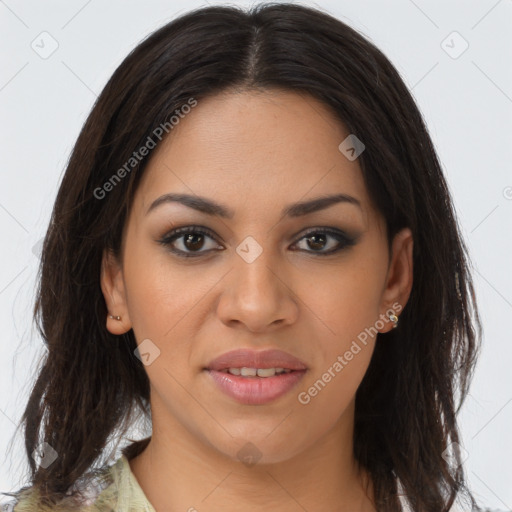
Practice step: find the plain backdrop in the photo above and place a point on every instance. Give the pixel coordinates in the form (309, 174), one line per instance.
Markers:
(455, 56)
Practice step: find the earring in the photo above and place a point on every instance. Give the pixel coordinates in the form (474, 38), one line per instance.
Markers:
(394, 319)
(115, 317)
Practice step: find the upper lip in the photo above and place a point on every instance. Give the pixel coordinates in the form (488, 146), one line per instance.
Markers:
(252, 359)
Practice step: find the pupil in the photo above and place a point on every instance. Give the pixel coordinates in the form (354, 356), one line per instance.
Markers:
(319, 245)
(189, 241)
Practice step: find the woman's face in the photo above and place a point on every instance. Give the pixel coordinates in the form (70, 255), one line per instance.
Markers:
(256, 279)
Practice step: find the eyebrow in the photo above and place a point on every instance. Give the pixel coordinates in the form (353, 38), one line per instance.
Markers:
(210, 207)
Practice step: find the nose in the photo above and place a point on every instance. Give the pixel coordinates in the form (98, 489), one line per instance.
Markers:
(257, 296)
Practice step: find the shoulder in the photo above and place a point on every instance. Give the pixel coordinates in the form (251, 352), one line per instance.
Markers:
(97, 491)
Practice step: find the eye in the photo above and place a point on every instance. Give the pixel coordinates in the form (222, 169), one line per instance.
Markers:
(318, 239)
(190, 238)
(188, 242)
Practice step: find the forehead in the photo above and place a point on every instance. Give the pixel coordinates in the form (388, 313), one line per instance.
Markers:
(254, 151)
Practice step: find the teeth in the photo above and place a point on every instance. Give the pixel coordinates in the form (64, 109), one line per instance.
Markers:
(248, 372)
(266, 372)
(253, 372)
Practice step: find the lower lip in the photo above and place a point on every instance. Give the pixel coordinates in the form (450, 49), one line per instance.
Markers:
(256, 390)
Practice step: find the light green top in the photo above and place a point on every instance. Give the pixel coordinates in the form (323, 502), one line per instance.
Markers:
(115, 489)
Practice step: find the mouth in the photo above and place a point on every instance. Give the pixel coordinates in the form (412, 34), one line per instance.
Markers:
(258, 361)
(256, 378)
(256, 372)
(250, 388)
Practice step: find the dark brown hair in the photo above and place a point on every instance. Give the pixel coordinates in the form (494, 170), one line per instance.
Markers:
(90, 381)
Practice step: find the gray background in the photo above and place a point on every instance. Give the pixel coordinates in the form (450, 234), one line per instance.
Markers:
(465, 97)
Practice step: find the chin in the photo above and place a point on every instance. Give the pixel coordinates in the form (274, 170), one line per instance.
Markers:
(257, 447)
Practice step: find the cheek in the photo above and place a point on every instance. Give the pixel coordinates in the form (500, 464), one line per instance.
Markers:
(345, 298)
(159, 294)
(349, 310)
(346, 301)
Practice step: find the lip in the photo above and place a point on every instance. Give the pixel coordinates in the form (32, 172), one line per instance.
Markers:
(256, 390)
(252, 359)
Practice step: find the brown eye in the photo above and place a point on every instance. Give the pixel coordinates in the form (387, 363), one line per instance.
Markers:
(193, 241)
(318, 240)
(189, 240)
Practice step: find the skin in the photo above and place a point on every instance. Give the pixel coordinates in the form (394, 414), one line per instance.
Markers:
(254, 152)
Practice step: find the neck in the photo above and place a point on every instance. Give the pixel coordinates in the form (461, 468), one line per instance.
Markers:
(178, 472)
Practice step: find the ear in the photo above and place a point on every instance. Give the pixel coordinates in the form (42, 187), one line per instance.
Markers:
(399, 277)
(112, 286)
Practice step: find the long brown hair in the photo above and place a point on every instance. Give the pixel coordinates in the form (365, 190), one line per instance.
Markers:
(90, 382)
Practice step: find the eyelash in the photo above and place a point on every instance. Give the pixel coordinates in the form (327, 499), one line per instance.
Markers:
(344, 240)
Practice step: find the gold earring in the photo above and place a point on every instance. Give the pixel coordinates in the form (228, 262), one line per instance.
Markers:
(115, 317)
(394, 319)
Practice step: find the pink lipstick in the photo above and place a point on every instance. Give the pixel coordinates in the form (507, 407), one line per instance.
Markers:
(256, 378)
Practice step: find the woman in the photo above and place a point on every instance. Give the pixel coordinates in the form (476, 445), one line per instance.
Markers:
(254, 245)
